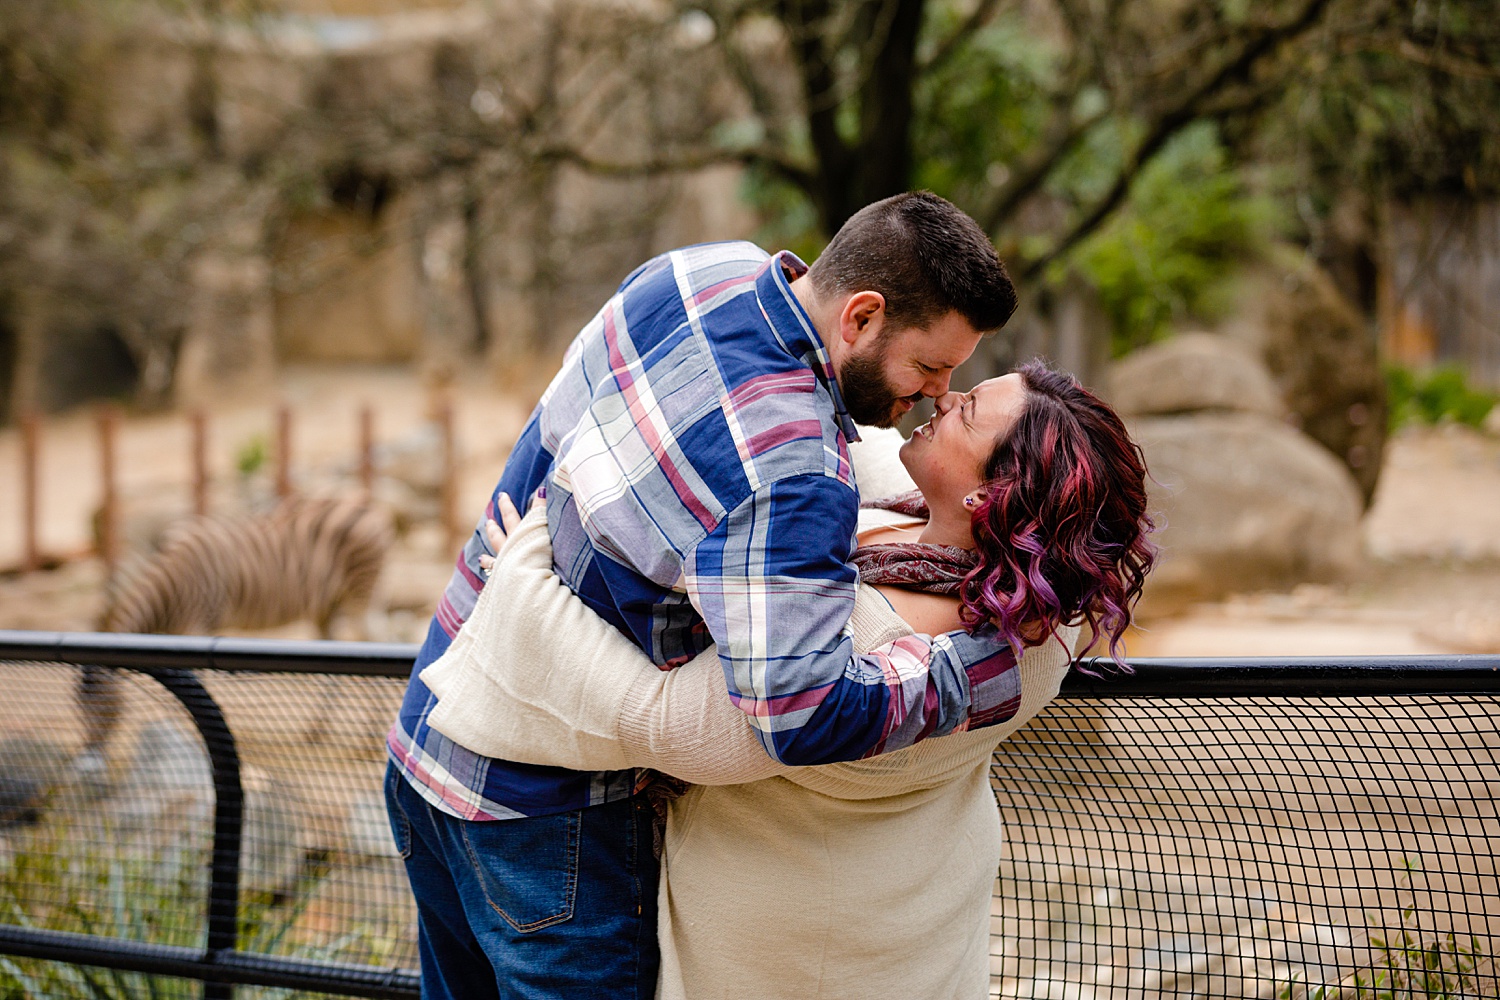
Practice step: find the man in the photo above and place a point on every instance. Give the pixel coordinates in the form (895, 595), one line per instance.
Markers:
(693, 456)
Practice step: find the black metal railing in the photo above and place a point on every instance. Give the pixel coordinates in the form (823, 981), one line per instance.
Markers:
(1191, 735)
(174, 662)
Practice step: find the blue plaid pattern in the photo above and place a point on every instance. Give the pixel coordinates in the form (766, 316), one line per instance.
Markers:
(693, 452)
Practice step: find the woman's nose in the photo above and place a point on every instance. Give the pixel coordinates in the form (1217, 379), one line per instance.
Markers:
(946, 401)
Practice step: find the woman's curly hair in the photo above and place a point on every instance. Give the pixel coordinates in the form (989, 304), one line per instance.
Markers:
(1061, 533)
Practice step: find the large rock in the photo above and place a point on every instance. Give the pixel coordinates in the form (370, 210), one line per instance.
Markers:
(166, 803)
(1322, 354)
(1190, 373)
(1246, 503)
(31, 770)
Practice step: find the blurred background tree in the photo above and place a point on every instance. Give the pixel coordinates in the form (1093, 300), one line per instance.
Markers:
(191, 189)
(1151, 149)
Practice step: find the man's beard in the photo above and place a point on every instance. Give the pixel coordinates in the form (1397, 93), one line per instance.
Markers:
(868, 394)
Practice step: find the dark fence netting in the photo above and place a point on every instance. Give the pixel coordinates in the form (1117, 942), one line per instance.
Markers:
(1238, 847)
(123, 850)
(1268, 847)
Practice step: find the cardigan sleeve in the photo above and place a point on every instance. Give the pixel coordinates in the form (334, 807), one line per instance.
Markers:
(596, 702)
(508, 689)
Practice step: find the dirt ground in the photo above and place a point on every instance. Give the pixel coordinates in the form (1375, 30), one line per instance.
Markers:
(1430, 583)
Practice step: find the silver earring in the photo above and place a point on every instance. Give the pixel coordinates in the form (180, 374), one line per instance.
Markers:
(968, 501)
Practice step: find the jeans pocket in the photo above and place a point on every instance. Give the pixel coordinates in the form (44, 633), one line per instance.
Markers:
(527, 868)
(400, 823)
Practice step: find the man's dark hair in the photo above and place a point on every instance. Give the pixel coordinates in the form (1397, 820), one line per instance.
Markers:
(925, 256)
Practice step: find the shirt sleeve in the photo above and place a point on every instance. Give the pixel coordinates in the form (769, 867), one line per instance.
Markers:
(775, 589)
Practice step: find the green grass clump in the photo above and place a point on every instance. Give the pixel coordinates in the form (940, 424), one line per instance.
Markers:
(60, 881)
(1431, 397)
(68, 878)
(1408, 968)
(252, 456)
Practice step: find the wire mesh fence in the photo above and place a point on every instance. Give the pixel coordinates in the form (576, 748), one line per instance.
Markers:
(123, 850)
(1251, 847)
(1187, 846)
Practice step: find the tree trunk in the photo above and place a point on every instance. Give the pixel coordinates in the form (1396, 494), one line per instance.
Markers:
(878, 165)
(884, 159)
(806, 22)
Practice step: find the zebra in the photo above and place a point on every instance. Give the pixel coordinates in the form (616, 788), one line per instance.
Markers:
(306, 558)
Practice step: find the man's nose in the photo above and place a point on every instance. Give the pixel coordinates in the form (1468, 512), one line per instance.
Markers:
(937, 385)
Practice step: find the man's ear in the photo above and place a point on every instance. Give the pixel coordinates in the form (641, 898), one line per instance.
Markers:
(862, 318)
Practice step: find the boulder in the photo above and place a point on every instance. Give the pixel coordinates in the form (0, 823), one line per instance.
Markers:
(168, 784)
(367, 830)
(1321, 352)
(1190, 373)
(166, 803)
(1244, 503)
(31, 770)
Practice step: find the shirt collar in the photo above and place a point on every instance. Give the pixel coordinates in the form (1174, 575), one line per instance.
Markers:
(794, 329)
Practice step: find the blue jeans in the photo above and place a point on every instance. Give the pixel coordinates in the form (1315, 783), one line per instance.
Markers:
(544, 907)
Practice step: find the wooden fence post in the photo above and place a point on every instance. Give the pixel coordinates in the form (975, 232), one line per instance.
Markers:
(109, 500)
(198, 422)
(31, 558)
(367, 449)
(448, 490)
(284, 452)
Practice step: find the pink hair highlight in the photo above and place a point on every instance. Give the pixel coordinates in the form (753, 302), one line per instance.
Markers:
(1062, 533)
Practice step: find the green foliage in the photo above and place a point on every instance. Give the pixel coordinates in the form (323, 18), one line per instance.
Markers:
(791, 220)
(1412, 119)
(1407, 968)
(1431, 397)
(982, 109)
(63, 881)
(252, 456)
(1190, 220)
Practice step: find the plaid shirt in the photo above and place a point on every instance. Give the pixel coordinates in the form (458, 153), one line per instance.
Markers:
(693, 452)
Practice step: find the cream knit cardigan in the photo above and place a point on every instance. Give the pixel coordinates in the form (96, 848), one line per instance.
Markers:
(843, 881)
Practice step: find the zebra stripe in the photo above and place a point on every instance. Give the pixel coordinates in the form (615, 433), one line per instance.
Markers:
(307, 558)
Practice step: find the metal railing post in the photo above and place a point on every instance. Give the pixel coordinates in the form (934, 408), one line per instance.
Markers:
(31, 557)
(173, 661)
(198, 447)
(229, 815)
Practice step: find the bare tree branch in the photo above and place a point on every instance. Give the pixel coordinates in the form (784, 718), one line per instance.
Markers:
(761, 100)
(680, 163)
(1447, 62)
(980, 16)
(1173, 119)
(1036, 165)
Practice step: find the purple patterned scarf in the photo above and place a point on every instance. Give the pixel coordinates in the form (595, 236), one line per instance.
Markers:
(934, 569)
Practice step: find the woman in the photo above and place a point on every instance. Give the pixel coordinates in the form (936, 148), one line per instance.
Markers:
(842, 880)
